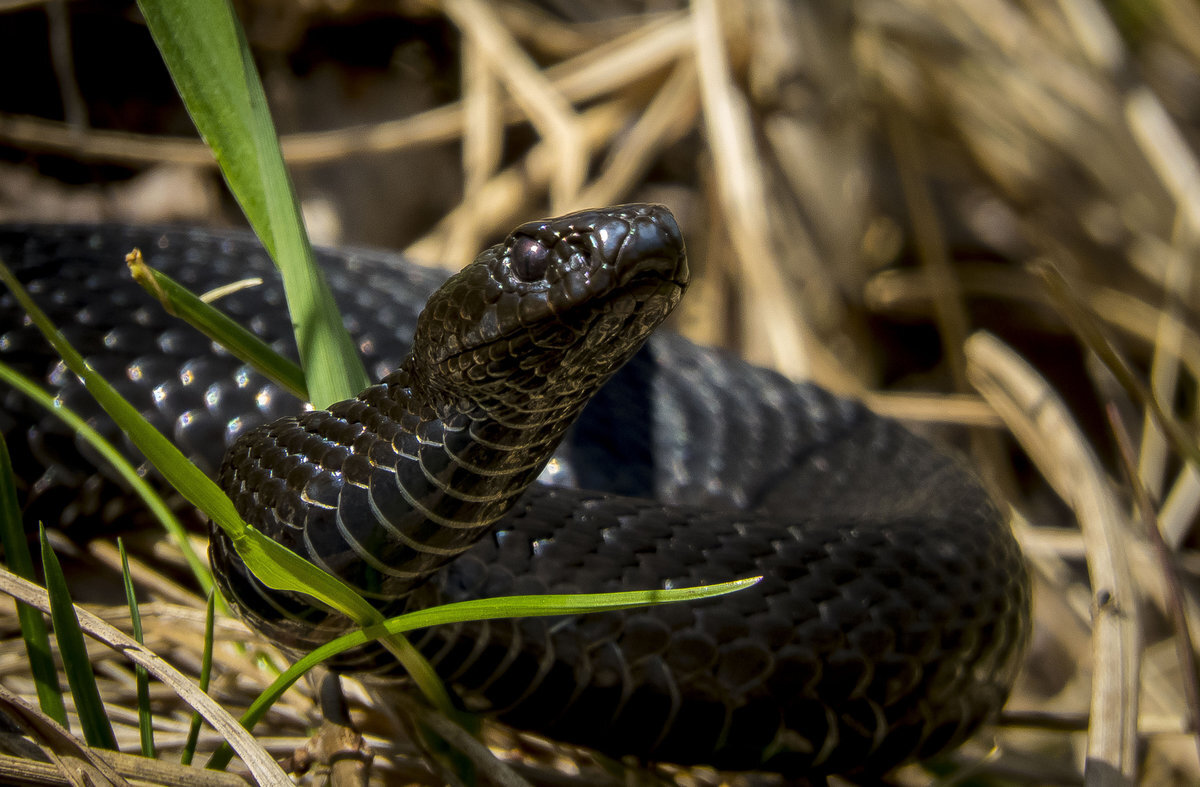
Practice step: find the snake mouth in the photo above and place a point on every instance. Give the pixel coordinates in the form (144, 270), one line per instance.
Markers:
(645, 286)
(640, 304)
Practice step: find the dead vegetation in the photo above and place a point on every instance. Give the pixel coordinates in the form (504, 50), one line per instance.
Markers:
(980, 216)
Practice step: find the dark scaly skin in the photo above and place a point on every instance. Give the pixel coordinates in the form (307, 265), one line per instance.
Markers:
(384, 489)
(894, 606)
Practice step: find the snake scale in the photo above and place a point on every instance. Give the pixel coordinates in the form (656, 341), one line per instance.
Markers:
(535, 441)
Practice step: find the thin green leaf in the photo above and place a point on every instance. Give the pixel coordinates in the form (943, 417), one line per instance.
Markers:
(208, 57)
(154, 502)
(96, 729)
(263, 556)
(33, 625)
(206, 660)
(216, 325)
(462, 611)
(206, 52)
(273, 564)
(142, 678)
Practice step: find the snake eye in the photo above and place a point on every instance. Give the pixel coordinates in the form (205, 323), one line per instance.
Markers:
(529, 258)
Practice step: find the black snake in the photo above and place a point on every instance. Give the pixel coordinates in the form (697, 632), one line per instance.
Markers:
(894, 606)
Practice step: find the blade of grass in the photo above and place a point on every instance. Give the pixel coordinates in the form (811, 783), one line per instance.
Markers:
(205, 50)
(142, 678)
(33, 625)
(158, 507)
(1185, 653)
(262, 767)
(277, 566)
(463, 611)
(274, 565)
(206, 661)
(96, 729)
(1085, 326)
(216, 325)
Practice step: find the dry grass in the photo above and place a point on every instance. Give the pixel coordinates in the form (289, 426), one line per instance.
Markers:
(864, 188)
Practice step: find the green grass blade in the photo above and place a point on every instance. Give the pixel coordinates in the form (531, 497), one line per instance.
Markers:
(479, 609)
(216, 325)
(208, 57)
(206, 52)
(275, 565)
(142, 678)
(33, 626)
(206, 661)
(96, 729)
(154, 502)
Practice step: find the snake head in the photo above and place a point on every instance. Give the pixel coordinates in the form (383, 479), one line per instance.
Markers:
(556, 307)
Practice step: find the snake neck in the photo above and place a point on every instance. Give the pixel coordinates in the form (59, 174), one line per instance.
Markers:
(385, 488)
(462, 463)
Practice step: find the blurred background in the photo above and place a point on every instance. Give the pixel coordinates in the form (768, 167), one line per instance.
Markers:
(979, 216)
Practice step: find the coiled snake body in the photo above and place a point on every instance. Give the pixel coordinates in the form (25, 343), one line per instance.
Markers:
(894, 605)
